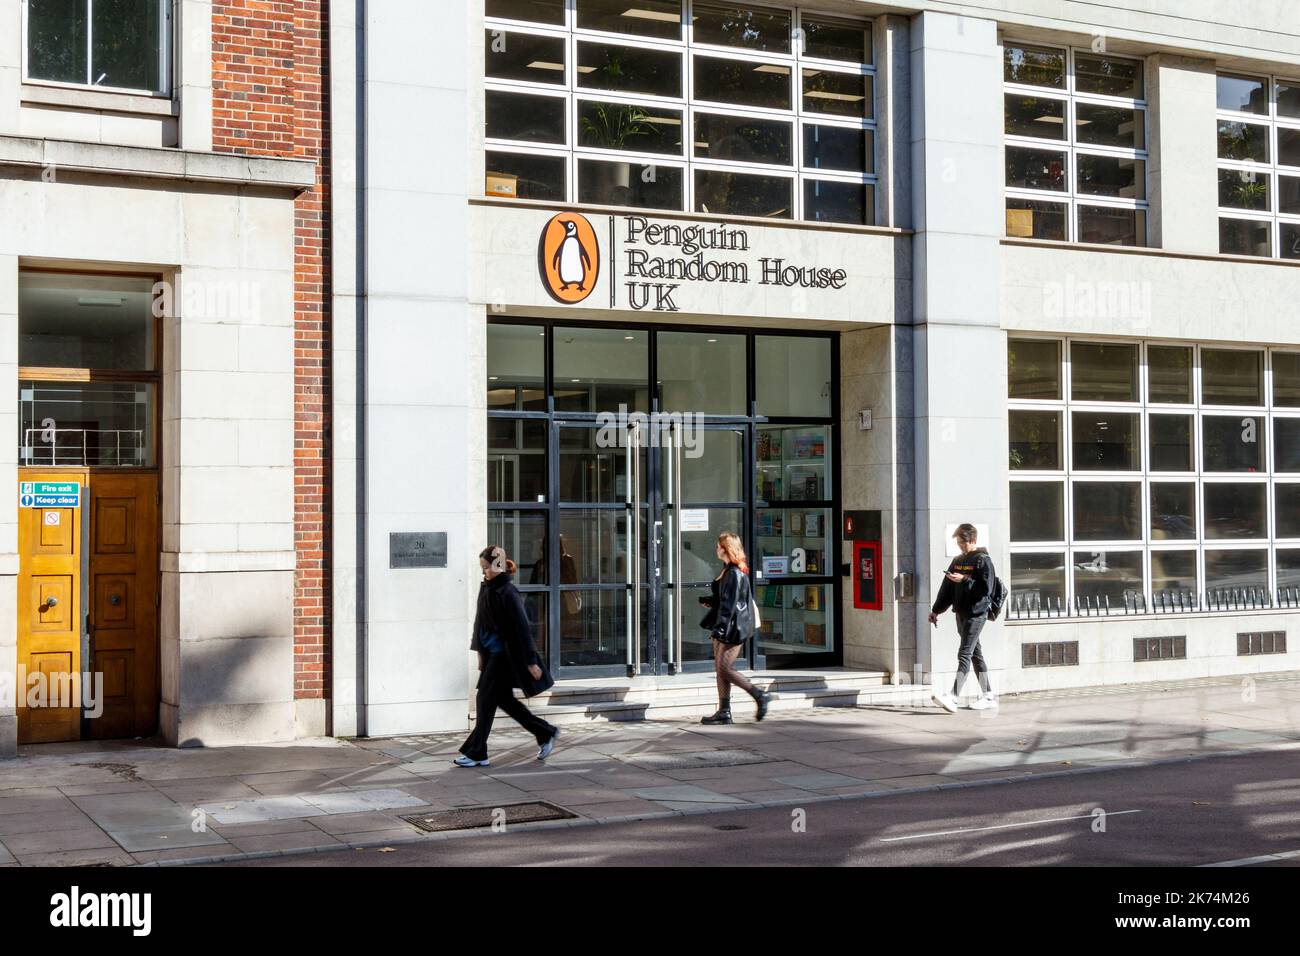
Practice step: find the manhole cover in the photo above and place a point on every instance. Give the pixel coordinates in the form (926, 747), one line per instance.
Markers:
(469, 818)
(702, 758)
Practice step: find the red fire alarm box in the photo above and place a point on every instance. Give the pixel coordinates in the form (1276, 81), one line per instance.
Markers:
(866, 575)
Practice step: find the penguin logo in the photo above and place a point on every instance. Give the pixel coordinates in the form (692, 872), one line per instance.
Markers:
(568, 256)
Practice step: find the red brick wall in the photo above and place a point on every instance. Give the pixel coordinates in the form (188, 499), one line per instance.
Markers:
(270, 86)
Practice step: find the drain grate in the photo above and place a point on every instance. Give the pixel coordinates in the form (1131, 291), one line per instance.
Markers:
(695, 759)
(730, 826)
(470, 818)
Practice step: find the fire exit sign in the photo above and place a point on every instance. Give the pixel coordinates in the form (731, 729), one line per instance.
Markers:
(49, 494)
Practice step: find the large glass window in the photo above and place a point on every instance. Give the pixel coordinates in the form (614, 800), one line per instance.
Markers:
(1258, 129)
(108, 44)
(740, 110)
(88, 370)
(737, 433)
(1076, 146)
(1183, 469)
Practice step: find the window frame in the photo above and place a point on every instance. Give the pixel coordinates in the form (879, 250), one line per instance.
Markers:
(1273, 168)
(165, 83)
(797, 171)
(1071, 197)
(1201, 543)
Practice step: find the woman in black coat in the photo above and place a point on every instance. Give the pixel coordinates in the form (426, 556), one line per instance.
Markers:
(507, 658)
(730, 623)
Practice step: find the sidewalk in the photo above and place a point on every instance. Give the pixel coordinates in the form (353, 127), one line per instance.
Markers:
(127, 803)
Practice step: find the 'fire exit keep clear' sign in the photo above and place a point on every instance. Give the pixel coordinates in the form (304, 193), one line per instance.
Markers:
(49, 494)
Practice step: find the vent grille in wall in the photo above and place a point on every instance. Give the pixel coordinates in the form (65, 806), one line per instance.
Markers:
(1159, 648)
(1261, 642)
(1049, 654)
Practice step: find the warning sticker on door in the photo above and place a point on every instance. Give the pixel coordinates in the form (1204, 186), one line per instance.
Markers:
(51, 518)
(49, 494)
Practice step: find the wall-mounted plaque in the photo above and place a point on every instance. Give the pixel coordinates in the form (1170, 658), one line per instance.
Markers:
(417, 549)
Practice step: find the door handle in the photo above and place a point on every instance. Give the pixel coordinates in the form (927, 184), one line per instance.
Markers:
(51, 602)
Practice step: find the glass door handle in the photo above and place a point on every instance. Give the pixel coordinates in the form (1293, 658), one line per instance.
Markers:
(679, 579)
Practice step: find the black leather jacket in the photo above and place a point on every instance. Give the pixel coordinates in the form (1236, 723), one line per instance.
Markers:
(730, 618)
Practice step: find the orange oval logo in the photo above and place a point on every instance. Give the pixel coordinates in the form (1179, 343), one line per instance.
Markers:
(568, 257)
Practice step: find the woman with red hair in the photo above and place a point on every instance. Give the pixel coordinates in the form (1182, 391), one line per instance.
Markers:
(730, 623)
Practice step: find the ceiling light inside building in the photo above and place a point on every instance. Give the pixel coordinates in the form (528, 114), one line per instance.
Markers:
(664, 16)
(824, 95)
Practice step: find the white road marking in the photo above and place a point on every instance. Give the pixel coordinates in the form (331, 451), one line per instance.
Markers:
(1001, 826)
(1255, 860)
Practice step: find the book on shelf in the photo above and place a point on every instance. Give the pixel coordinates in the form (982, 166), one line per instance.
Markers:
(796, 522)
(814, 634)
(812, 598)
(771, 597)
(812, 561)
(814, 526)
(802, 447)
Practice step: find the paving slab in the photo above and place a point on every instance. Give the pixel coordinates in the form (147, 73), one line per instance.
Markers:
(683, 794)
(285, 841)
(261, 809)
(355, 801)
(345, 823)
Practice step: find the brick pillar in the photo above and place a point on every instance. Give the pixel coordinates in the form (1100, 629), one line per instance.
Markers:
(270, 82)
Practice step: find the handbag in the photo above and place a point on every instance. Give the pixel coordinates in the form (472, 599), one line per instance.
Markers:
(571, 602)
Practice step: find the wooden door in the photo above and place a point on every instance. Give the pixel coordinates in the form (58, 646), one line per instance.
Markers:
(123, 596)
(49, 615)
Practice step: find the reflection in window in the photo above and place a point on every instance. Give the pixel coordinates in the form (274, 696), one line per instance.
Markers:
(1034, 369)
(742, 194)
(1236, 510)
(1109, 580)
(1035, 440)
(1103, 373)
(1107, 511)
(1037, 511)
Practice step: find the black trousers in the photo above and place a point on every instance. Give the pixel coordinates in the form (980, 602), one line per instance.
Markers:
(969, 652)
(495, 689)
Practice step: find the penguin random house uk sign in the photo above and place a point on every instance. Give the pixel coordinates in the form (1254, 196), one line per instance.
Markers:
(49, 494)
(651, 262)
(642, 263)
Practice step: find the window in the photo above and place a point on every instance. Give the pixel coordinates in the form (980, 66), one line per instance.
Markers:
(1076, 149)
(1258, 128)
(110, 44)
(712, 107)
(88, 370)
(1151, 477)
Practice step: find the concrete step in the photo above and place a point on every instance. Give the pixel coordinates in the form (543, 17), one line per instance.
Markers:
(690, 696)
(688, 708)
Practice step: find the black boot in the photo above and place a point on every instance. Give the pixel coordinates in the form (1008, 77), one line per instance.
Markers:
(722, 716)
(762, 698)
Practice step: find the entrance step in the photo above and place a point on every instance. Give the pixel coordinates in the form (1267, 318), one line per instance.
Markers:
(695, 695)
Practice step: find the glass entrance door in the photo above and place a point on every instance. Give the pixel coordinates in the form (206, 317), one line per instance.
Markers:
(616, 456)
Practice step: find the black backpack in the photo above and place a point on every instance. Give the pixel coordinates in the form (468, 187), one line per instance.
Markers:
(998, 598)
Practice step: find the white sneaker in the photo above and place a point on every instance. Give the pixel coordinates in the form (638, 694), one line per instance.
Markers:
(984, 702)
(546, 748)
(469, 762)
(947, 702)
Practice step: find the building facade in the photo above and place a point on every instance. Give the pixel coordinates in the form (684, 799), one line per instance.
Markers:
(594, 281)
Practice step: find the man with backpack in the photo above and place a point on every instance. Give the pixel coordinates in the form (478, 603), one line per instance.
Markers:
(972, 589)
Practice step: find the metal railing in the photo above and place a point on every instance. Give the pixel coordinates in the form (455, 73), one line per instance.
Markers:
(83, 446)
(1033, 605)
